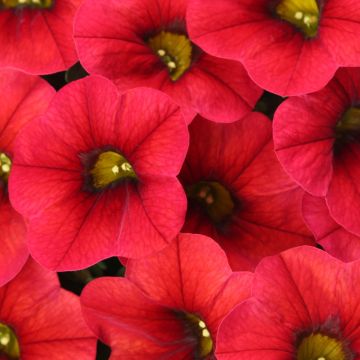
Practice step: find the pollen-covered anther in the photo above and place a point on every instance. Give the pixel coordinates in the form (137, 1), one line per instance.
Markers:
(36, 4)
(174, 50)
(9, 345)
(5, 166)
(110, 167)
(303, 14)
(209, 199)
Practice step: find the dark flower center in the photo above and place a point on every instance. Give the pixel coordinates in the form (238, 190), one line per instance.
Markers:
(303, 14)
(108, 168)
(5, 167)
(174, 50)
(198, 329)
(347, 129)
(318, 346)
(214, 199)
(9, 345)
(19, 4)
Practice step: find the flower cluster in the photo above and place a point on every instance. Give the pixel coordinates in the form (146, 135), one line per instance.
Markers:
(179, 179)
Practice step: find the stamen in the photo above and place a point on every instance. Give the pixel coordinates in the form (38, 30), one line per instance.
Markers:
(205, 333)
(171, 65)
(5, 339)
(202, 193)
(202, 324)
(115, 169)
(209, 199)
(298, 15)
(125, 166)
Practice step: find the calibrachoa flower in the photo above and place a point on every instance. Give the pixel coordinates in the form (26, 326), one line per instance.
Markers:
(238, 193)
(289, 47)
(23, 97)
(305, 306)
(331, 236)
(36, 35)
(170, 305)
(96, 175)
(145, 43)
(39, 320)
(317, 140)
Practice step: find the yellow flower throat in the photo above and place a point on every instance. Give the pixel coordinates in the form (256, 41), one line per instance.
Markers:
(303, 14)
(19, 4)
(9, 345)
(174, 50)
(318, 346)
(5, 167)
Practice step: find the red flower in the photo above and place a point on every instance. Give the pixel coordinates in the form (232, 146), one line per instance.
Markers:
(170, 305)
(238, 193)
(305, 306)
(145, 43)
(317, 140)
(289, 47)
(331, 236)
(39, 320)
(23, 97)
(36, 35)
(96, 175)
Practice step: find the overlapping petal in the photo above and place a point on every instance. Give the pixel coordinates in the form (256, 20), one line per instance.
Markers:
(38, 41)
(24, 97)
(321, 159)
(331, 236)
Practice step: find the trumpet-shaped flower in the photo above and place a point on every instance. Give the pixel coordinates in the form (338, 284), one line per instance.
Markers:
(170, 305)
(96, 175)
(289, 47)
(238, 193)
(145, 43)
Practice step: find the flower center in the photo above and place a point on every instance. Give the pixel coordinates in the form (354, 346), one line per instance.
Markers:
(5, 167)
(348, 128)
(214, 198)
(198, 328)
(321, 347)
(303, 14)
(9, 345)
(174, 50)
(110, 167)
(34, 4)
